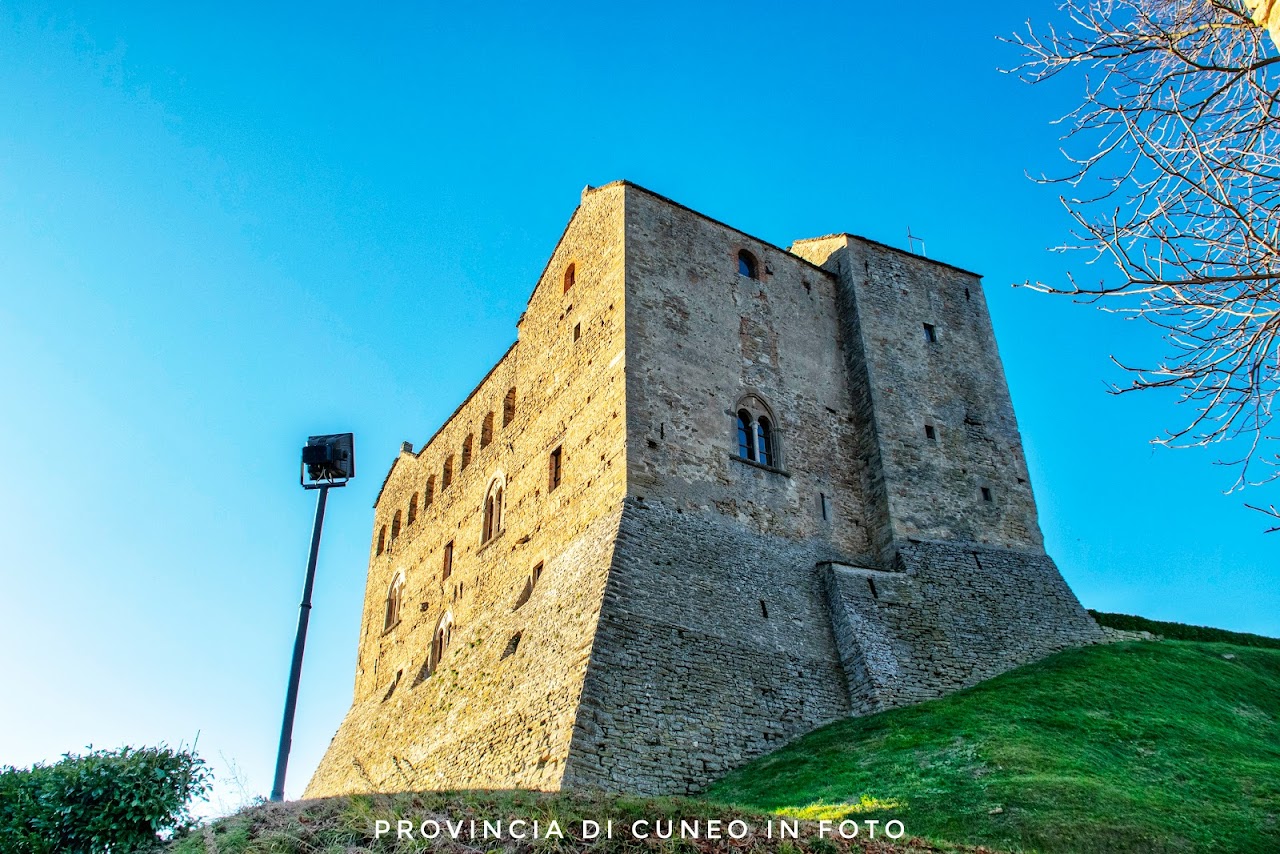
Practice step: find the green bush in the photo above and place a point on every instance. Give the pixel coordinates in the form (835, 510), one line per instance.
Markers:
(105, 802)
(1182, 631)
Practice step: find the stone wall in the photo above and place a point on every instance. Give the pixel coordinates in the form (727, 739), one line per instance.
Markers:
(700, 338)
(929, 370)
(714, 647)
(957, 614)
(481, 717)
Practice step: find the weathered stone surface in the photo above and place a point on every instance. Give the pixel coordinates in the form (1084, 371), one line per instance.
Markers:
(695, 609)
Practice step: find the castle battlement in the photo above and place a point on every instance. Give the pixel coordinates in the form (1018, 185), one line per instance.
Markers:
(718, 493)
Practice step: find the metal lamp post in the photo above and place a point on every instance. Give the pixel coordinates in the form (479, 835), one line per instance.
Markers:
(327, 462)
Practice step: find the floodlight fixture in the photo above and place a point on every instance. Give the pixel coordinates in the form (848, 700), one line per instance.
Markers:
(327, 461)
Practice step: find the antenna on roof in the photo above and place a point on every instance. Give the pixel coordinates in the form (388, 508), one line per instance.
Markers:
(912, 240)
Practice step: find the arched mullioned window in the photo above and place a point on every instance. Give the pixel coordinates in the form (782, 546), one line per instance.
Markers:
(382, 539)
(466, 452)
(492, 524)
(413, 509)
(764, 441)
(440, 641)
(748, 265)
(486, 430)
(509, 407)
(757, 432)
(570, 276)
(394, 594)
(395, 527)
(446, 474)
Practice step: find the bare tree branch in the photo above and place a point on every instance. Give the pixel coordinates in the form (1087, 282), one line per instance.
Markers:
(1175, 178)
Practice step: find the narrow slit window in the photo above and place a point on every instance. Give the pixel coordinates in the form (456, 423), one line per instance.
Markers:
(822, 504)
(446, 474)
(392, 615)
(555, 469)
(577, 331)
(395, 527)
(492, 525)
(486, 430)
(509, 407)
(382, 539)
(446, 563)
(429, 494)
(570, 277)
(764, 610)
(466, 452)
(413, 509)
(930, 333)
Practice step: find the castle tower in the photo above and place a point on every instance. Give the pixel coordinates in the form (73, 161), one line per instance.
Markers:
(718, 493)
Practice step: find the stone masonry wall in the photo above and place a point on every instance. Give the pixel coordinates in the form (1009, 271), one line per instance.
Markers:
(700, 338)
(957, 615)
(499, 711)
(954, 385)
(713, 648)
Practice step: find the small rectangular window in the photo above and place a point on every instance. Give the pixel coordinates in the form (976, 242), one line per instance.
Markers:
(577, 331)
(554, 470)
(930, 433)
(537, 572)
(930, 333)
(447, 564)
(986, 494)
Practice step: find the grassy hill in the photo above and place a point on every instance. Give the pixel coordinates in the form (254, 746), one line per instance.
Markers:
(1133, 747)
(1169, 746)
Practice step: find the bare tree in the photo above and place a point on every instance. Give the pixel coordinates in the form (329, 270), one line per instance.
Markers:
(1175, 177)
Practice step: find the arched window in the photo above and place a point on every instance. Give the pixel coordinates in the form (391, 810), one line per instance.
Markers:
(466, 452)
(394, 594)
(413, 509)
(509, 407)
(764, 441)
(429, 494)
(382, 539)
(747, 265)
(570, 275)
(440, 641)
(395, 527)
(486, 430)
(757, 432)
(746, 445)
(492, 525)
(446, 474)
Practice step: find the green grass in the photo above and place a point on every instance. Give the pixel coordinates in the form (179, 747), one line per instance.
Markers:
(1182, 631)
(1131, 747)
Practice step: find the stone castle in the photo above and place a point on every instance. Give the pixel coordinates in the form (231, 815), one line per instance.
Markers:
(717, 494)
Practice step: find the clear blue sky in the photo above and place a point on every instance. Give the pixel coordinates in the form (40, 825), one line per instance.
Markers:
(224, 230)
